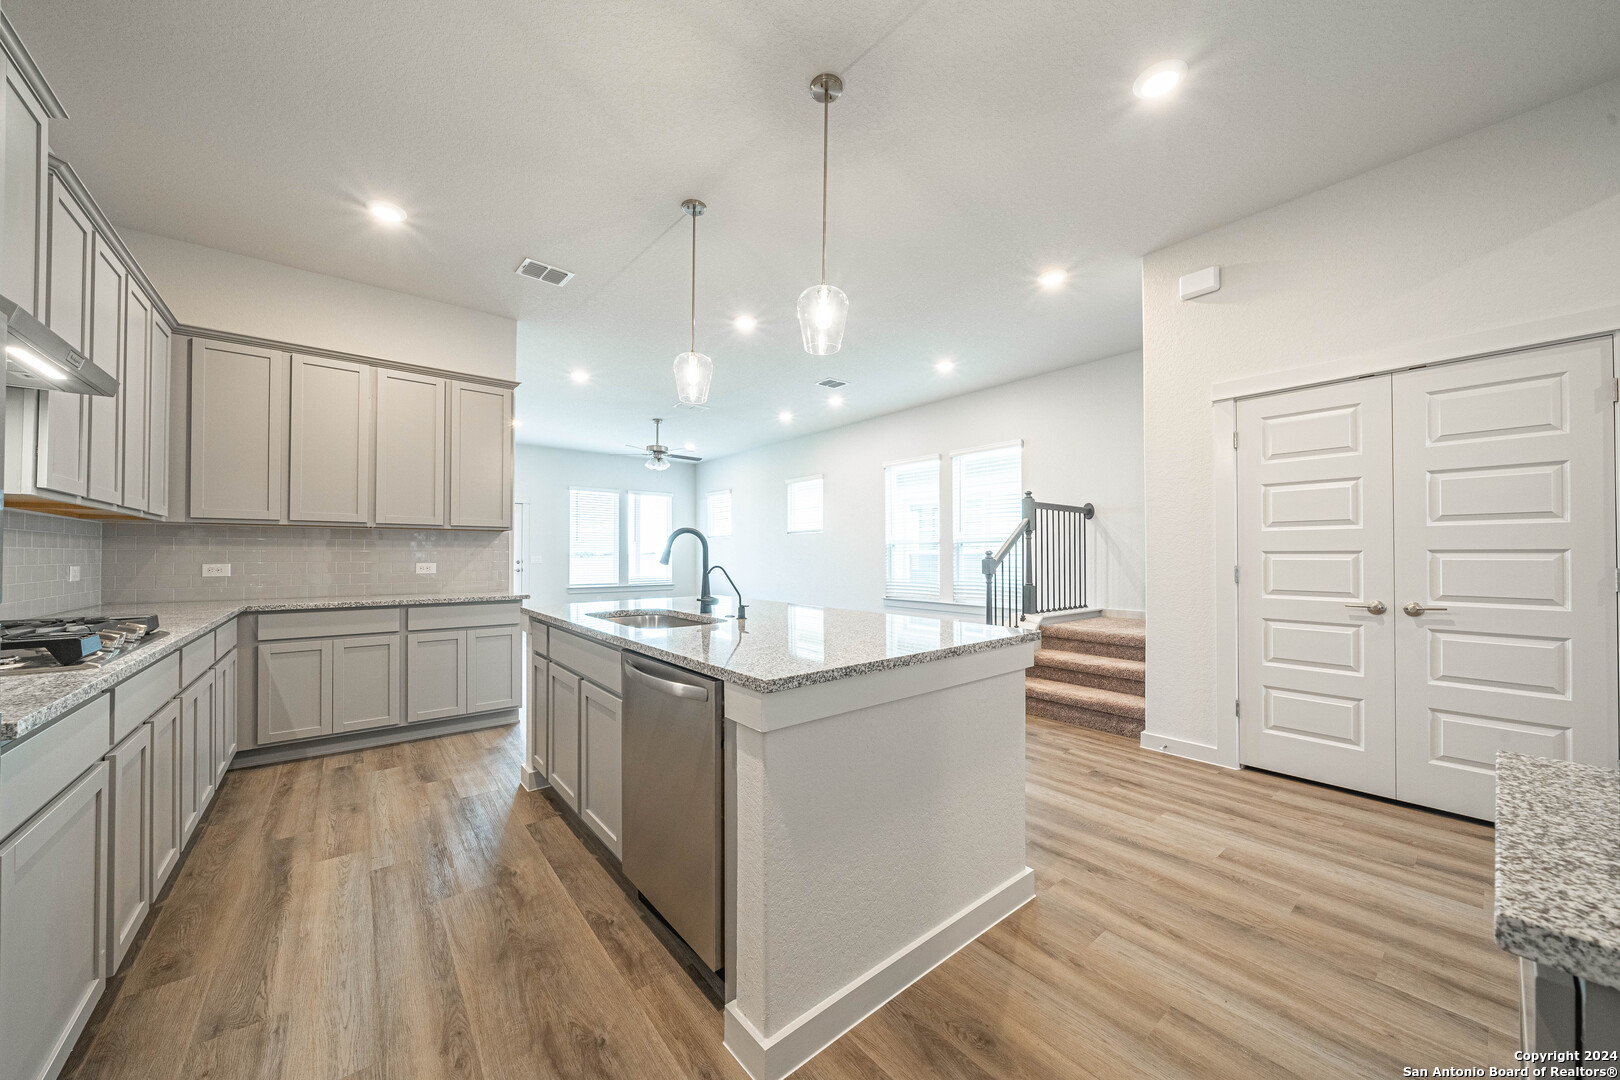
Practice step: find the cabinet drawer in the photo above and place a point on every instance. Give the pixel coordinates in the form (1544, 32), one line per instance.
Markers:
(282, 625)
(459, 616)
(538, 642)
(224, 639)
(35, 771)
(596, 662)
(196, 658)
(143, 694)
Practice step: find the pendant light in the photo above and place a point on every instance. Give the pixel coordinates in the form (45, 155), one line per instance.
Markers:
(823, 308)
(693, 370)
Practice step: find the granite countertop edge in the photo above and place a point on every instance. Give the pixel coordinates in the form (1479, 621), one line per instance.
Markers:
(784, 682)
(16, 728)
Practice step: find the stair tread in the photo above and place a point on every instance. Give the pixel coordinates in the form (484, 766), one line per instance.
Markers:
(1087, 697)
(1107, 631)
(1111, 666)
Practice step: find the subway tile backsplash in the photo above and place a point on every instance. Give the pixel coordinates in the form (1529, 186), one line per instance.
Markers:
(39, 555)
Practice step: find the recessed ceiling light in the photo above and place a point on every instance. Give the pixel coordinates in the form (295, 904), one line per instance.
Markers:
(785, 417)
(745, 323)
(384, 211)
(1159, 79)
(580, 376)
(945, 367)
(1053, 278)
(835, 400)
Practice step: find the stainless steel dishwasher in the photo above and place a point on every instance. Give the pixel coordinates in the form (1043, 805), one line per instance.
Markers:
(674, 791)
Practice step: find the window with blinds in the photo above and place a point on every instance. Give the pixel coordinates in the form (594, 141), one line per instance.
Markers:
(593, 537)
(652, 518)
(911, 530)
(717, 509)
(987, 491)
(804, 504)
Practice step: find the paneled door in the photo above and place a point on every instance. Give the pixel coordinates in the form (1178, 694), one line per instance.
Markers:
(1505, 568)
(1316, 609)
(106, 352)
(330, 450)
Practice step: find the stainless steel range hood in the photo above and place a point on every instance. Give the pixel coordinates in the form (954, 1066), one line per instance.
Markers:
(39, 358)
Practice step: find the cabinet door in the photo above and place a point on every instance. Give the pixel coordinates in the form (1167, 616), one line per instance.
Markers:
(563, 690)
(167, 831)
(436, 675)
(64, 430)
(480, 456)
(238, 431)
(295, 690)
(106, 351)
(410, 448)
(602, 728)
(132, 395)
(196, 753)
(22, 204)
(157, 421)
(538, 720)
(224, 715)
(330, 452)
(229, 701)
(366, 682)
(129, 842)
(494, 668)
(53, 925)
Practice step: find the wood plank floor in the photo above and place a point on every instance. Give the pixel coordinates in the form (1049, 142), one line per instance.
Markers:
(410, 912)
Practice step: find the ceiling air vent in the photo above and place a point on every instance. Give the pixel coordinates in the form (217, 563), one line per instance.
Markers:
(551, 275)
(832, 384)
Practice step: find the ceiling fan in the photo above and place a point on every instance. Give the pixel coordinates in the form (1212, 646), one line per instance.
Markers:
(658, 455)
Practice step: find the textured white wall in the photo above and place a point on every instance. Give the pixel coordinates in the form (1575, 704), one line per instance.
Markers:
(543, 477)
(219, 290)
(1515, 223)
(1082, 432)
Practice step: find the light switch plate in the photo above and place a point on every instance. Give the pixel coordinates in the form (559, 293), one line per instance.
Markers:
(216, 569)
(427, 568)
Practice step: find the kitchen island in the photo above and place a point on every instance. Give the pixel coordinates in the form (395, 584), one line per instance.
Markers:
(874, 797)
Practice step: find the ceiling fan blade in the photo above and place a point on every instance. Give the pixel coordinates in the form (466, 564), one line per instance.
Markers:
(633, 446)
(682, 457)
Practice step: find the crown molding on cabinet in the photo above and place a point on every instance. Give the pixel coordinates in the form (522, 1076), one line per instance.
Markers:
(105, 228)
(18, 52)
(227, 336)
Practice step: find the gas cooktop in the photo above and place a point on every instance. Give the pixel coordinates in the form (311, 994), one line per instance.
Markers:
(52, 644)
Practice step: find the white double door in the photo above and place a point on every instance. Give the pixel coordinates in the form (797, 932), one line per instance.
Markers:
(1427, 575)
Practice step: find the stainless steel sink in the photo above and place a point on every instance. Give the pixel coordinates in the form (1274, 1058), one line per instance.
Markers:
(654, 619)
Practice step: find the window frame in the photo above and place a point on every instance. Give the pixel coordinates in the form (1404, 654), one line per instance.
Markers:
(618, 537)
(708, 516)
(938, 593)
(630, 552)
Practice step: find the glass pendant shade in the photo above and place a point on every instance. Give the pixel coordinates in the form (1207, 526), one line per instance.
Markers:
(693, 371)
(823, 310)
(657, 464)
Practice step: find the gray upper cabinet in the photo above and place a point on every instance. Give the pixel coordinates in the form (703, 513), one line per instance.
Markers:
(133, 405)
(157, 421)
(480, 456)
(410, 448)
(295, 690)
(238, 431)
(64, 427)
(329, 477)
(106, 352)
(23, 210)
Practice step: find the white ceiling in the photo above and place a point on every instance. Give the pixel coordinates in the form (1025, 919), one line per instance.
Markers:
(977, 145)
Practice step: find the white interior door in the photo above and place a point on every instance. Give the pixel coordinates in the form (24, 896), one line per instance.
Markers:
(1505, 544)
(1316, 681)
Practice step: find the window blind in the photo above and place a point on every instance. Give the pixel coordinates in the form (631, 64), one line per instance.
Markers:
(987, 489)
(718, 508)
(593, 537)
(804, 504)
(911, 530)
(652, 517)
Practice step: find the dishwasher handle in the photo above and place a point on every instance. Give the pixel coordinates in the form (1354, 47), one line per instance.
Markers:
(666, 686)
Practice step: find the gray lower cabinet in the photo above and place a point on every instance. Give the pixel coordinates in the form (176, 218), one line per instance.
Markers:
(129, 841)
(168, 834)
(224, 714)
(494, 668)
(295, 690)
(436, 683)
(53, 926)
(366, 680)
(562, 691)
(196, 752)
(601, 725)
(539, 716)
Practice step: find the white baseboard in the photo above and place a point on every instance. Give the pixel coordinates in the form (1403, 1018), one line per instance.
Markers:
(774, 1057)
(531, 778)
(1167, 744)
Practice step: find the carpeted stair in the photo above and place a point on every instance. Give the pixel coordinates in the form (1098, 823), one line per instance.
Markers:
(1091, 672)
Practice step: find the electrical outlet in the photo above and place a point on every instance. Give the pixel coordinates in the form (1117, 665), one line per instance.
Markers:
(73, 573)
(216, 569)
(427, 568)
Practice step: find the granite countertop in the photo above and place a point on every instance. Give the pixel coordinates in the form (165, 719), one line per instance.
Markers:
(1558, 864)
(783, 646)
(31, 702)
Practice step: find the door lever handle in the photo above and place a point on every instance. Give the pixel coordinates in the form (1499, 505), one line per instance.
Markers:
(1415, 609)
(1375, 608)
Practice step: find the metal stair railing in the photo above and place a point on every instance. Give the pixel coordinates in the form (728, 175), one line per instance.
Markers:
(1041, 566)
